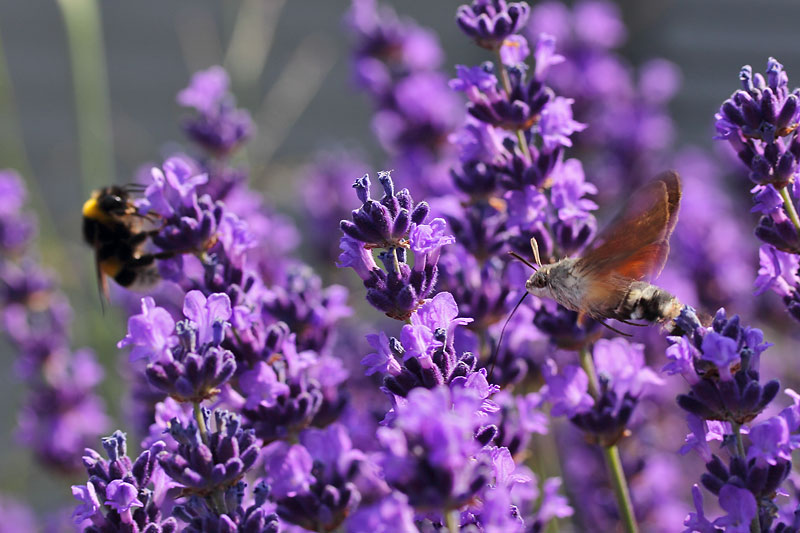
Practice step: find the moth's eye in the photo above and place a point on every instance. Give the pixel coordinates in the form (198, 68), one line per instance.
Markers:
(539, 282)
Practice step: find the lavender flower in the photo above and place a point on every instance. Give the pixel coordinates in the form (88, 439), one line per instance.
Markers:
(313, 482)
(384, 223)
(518, 107)
(426, 348)
(16, 227)
(280, 396)
(121, 494)
(396, 224)
(622, 377)
(218, 126)
(490, 22)
(721, 365)
(429, 452)
(255, 518)
(205, 463)
(61, 413)
(186, 360)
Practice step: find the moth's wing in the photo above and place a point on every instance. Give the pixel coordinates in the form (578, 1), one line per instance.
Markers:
(636, 244)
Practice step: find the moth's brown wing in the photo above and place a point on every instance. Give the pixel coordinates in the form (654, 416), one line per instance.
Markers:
(636, 244)
(634, 247)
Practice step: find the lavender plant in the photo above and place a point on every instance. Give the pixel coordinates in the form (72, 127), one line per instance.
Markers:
(251, 411)
(760, 122)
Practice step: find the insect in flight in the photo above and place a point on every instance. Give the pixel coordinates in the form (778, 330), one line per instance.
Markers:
(610, 280)
(118, 233)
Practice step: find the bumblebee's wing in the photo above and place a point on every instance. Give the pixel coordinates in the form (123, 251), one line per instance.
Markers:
(633, 247)
(636, 244)
(102, 283)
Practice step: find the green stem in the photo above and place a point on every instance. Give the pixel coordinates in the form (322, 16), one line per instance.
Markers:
(611, 454)
(201, 422)
(789, 205)
(396, 261)
(523, 144)
(739, 441)
(587, 363)
(621, 492)
(453, 519)
(82, 21)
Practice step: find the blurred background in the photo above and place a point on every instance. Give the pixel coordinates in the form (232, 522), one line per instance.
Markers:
(290, 67)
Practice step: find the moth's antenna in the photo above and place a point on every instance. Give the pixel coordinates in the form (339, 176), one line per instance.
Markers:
(535, 248)
(517, 256)
(502, 332)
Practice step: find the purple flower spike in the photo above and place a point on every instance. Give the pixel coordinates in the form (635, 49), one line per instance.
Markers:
(426, 348)
(131, 491)
(218, 126)
(490, 22)
(281, 396)
(187, 361)
(430, 452)
(199, 467)
(622, 376)
(519, 109)
(384, 223)
(255, 518)
(725, 359)
(318, 498)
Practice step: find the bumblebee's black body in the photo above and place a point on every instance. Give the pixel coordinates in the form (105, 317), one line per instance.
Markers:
(113, 228)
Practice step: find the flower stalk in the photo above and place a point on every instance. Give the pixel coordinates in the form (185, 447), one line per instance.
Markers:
(611, 454)
(789, 205)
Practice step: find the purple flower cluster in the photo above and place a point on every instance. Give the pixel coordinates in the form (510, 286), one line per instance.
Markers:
(491, 22)
(186, 360)
(252, 410)
(217, 125)
(760, 122)
(396, 63)
(436, 441)
(513, 184)
(721, 365)
(61, 413)
(604, 409)
(631, 131)
(397, 226)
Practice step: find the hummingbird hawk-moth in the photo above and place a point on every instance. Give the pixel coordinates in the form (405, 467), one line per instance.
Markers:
(609, 281)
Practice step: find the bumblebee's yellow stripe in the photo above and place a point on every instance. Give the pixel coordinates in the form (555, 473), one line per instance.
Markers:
(92, 211)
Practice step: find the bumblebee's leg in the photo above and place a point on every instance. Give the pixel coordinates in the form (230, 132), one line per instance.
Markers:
(139, 238)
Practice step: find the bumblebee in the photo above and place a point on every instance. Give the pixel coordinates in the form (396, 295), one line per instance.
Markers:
(118, 234)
